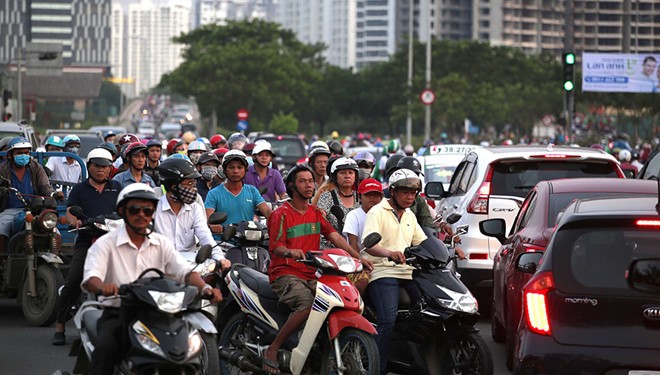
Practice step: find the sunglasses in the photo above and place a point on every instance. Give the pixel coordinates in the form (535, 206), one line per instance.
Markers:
(134, 210)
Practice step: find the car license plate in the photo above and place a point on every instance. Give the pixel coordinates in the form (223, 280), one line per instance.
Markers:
(643, 372)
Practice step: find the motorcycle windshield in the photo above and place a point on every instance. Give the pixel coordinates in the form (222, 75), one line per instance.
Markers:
(432, 248)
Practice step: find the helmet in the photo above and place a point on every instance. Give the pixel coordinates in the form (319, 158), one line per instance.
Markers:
(107, 134)
(177, 169)
(154, 142)
(334, 134)
(410, 163)
(625, 156)
(56, 141)
(188, 137)
(234, 155)
(220, 151)
(392, 146)
(197, 146)
(336, 147)
(136, 190)
(205, 141)
(100, 156)
(507, 142)
(127, 138)
(110, 147)
(316, 151)
(178, 156)
(408, 149)
(71, 138)
(247, 149)
(390, 164)
(171, 145)
(218, 138)
(261, 146)
(235, 138)
(291, 177)
(405, 178)
(316, 144)
(18, 142)
(343, 163)
(134, 148)
(4, 141)
(207, 157)
(144, 141)
(597, 146)
(365, 157)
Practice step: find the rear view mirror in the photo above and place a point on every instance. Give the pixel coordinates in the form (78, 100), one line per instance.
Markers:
(529, 262)
(203, 254)
(453, 218)
(371, 240)
(217, 218)
(229, 232)
(77, 212)
(493, 228)
(434, 190)
(644, 275)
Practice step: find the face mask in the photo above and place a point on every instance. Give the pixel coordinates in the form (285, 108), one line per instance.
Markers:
(185, 195)
(194, 158)
(73, 150)
(209, 172)
(221, 173)
(363, 174)
(21, 160)
(182, 152)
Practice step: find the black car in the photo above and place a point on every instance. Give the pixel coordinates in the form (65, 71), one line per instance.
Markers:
(289, 150)
(580, 314)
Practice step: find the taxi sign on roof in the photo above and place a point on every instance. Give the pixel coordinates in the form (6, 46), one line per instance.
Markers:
(449, 149)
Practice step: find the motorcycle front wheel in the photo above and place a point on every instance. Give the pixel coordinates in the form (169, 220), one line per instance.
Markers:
(233, 332)
(359, 354)
(208, 357)
(41, 310)
(466, 354)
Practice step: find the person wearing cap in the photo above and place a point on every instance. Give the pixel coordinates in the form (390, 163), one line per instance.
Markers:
(64, 168)
(260, 174)
(207, 166)
(109, 136)
(154, 152)
(96, 196)
(237, 199)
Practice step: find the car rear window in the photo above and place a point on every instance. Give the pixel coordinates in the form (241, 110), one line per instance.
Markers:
(439, 173)
(558, 202)
(87, 143)
(287, 147)
(594, 257)
(517, 178)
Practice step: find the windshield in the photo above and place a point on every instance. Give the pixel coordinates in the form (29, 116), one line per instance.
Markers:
(287, 147)
(558, 202)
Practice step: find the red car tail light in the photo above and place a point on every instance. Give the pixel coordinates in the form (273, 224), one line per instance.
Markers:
(536, 306)
(648, 223)
(479, 203)
(478, 256)
(529, 248)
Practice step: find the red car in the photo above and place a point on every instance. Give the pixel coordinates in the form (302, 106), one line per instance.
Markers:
(531, 232)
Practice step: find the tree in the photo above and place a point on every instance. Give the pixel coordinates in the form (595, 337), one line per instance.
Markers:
(283, 124)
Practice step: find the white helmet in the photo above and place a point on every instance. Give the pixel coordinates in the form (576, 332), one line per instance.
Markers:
(234, 155)
(100, 156)
(197, 146)
(262, 145)
(343, 163)
(625, 156)
(136, 190)
(318, 144)
(405, 178)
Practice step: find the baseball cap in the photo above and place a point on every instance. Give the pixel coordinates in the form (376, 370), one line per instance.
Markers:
(369, 185)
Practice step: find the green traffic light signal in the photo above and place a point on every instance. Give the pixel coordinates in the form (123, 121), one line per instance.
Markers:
(568, 85)
(569, 58)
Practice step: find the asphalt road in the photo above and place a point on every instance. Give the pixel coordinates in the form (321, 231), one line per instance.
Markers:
(27, 350)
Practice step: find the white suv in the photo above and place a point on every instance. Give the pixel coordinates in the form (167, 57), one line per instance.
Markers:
(492, 182)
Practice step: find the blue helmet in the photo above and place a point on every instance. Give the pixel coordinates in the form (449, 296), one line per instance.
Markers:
(71, 138)
(179, 156)
(110, 147)
(19, 142)
(55, 140)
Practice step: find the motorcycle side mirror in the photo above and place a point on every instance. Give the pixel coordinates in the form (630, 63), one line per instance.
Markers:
(203, 254)
(453, 218)
(338, 213)
(77, 212)
(371, 240)
(217, 218)
(49, 173)
(229, 232)
(643, 275)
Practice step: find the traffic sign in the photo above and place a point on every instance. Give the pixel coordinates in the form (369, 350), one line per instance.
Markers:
(242, 114)
(242, 125)
(427, 96)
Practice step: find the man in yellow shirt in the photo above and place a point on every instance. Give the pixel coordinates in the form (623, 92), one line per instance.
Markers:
(399, 229)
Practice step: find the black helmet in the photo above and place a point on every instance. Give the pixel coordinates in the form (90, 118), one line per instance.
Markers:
(391, 164)
(336, 147)
(174, 170)
(411, 163)
(154, 142)
(207, 157)
(328, 167)
(291, 177)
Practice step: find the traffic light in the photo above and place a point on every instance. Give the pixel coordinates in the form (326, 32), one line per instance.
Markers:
(568, 61)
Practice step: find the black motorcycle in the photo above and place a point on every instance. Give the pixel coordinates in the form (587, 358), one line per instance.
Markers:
(436, 334)
(250, 244)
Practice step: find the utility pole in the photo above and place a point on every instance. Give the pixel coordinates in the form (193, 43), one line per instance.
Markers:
(427, 114)
(568, 48)
(410, 72)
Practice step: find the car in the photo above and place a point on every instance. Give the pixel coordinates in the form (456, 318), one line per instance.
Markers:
(146, 129)
(531, 232)
(289, 149)
(651, 169)
(492, 182)
(439, 161)
(13, 129)
(592, 304)
(170, 130)
(106, 128)
(88, 139)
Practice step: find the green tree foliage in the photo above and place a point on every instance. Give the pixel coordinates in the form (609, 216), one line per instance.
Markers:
(283, 124)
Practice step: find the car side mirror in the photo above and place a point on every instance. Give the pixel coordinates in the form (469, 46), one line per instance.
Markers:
(434, 190)
(203, 254)
(529, 262)
(644, 275)
(229, 232)
(217, 218)
(371, 240)
(493, 228)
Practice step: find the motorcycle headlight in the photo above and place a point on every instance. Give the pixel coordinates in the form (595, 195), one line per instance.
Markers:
(208, 267)
(147, 339)
(323, 263)
(168, 302)
(48, 219)
(460, 302)
(113, 224)
(346, 264)
(194, 343)
(253, 235)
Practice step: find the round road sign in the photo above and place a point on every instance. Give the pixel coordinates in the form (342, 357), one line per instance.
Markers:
(427, 96)
(242, 114)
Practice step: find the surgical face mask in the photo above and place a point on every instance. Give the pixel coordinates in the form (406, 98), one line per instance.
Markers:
(73, 150)
(364, 173)
(209, 172)
(194, 158)
(21, 160)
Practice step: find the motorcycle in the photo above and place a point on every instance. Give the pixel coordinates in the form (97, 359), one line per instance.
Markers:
(164, 330)
(436, 334)
(31, 264)
(251, 244)
(335, 339)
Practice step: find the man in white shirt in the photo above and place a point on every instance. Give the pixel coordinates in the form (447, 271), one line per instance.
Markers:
(119, 257)
(177, 216)
(66, 169)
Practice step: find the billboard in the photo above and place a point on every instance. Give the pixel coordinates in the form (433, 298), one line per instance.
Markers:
(620, 72)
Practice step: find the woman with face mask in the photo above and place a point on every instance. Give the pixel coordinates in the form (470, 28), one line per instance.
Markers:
(207, 165)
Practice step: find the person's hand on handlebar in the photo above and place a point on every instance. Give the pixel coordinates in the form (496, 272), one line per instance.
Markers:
(216, 228)
(367, 264)
(58, 195)
(109, 289)
(225, 264)
(294, 254)
(397, 257)
(214, 292)
(460, 254)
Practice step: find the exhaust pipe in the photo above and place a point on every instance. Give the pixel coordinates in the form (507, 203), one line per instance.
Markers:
(235, 358)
